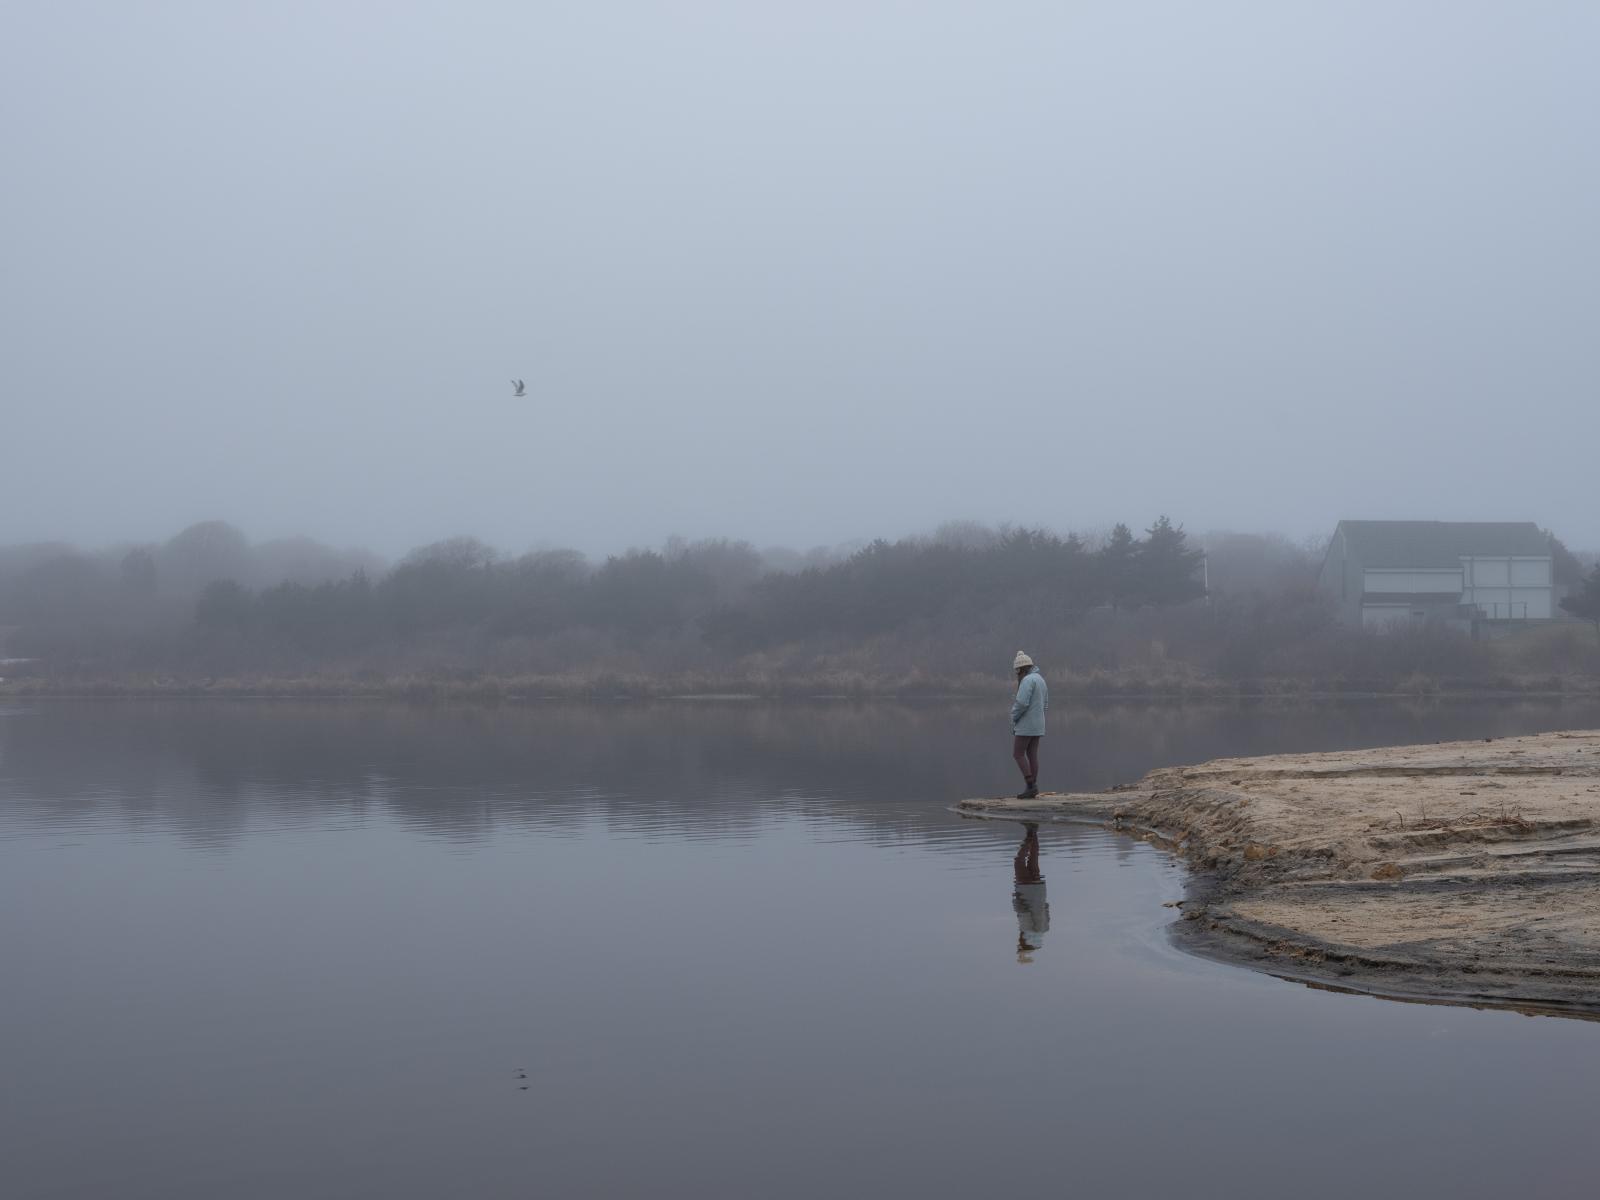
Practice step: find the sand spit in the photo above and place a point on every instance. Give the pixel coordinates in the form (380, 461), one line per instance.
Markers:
(1466, 871)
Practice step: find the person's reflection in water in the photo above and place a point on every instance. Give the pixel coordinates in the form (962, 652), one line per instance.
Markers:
(1028, 898)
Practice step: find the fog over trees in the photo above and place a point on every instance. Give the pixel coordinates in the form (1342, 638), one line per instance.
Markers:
(1152, 607)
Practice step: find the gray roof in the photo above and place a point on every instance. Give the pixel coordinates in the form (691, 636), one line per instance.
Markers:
(1440, 543)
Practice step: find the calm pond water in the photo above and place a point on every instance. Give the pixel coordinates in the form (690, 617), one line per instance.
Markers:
(695, 949)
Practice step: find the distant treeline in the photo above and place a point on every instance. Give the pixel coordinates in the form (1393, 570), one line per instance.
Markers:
(940, 610)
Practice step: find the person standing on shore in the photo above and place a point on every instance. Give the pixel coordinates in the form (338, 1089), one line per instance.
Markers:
(1027, 722)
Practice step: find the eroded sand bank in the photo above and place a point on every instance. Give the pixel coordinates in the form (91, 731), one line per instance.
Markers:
(1467, 871)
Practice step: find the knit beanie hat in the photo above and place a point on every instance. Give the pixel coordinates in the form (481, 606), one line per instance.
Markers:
(1021, 660)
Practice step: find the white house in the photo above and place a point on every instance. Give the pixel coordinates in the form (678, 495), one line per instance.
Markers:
(1382, 573)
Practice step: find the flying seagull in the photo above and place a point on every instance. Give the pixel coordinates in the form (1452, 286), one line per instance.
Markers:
(521, 389)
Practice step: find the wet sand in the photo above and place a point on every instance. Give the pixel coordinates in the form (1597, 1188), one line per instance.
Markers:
(1461, 871)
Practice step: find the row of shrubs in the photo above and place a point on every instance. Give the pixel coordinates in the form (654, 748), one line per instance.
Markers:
(1115, 616)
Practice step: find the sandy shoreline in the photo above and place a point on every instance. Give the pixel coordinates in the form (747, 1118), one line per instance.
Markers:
(1461, 871)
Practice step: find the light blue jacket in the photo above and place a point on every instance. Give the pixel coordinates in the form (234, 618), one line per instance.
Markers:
(1028, 709)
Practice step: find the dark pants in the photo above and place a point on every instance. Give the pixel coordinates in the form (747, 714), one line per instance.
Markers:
(1027, 859)
(1026, 751)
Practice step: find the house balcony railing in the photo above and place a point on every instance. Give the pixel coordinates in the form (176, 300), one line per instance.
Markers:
(1495, 611)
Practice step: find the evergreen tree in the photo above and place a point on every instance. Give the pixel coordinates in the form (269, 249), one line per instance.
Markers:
(1118, 560)
(1168, 570)
(1075, 575)
(1585, 602)
(1565, 568)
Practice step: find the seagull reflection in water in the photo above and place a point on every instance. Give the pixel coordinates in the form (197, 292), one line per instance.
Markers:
(1028, 898)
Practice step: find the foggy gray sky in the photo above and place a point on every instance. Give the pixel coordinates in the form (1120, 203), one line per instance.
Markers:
(799, 272)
